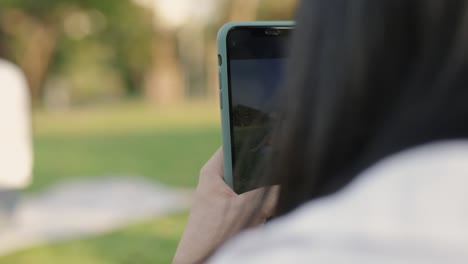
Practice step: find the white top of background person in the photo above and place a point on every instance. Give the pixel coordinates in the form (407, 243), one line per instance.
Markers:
(16, 158)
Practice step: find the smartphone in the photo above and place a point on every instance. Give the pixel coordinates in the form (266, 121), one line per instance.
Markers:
(252, 59)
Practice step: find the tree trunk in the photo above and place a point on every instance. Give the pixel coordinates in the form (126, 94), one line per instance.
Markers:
(243, 10)
(165, 83)
(37, 57)
(238, 10)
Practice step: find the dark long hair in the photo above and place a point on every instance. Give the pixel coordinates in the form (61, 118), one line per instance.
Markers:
(367, 79)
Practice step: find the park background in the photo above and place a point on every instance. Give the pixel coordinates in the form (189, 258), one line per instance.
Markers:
(127, 87)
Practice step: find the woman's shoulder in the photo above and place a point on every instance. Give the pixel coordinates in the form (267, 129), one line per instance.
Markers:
(408, 206)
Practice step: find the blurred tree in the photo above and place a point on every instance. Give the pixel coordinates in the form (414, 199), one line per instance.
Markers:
(34, 42)
(243, 10)
(45, 35)
(3, 52)
(88, 49)
(166, 82)
(277, 10)
(178, 73)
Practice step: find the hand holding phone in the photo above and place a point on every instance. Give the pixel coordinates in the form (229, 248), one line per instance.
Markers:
(218, 213)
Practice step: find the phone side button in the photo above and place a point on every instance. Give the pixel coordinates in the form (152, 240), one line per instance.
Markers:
(219, 79)
(220, 100)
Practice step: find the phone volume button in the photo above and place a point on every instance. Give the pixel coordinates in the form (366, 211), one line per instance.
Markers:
(221, 100)
(219, 79)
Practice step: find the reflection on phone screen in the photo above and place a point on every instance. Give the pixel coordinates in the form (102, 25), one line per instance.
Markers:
(254, 86)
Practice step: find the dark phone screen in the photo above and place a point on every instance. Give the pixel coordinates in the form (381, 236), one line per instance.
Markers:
(256, 63)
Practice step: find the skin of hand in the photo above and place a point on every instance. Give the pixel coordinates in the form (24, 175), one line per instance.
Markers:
(218, 213)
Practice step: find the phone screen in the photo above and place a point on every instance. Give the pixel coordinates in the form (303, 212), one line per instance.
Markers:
(257, 59)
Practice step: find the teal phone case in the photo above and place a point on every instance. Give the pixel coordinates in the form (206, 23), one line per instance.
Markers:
(224, 87)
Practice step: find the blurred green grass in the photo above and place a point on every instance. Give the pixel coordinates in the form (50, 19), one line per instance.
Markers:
(147, 243)
(166, 144)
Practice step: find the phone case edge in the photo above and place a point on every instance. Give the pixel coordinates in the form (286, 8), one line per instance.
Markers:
(224, 91)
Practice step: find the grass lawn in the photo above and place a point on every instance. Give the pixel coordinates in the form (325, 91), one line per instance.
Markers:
(147, 243)
(167, 144)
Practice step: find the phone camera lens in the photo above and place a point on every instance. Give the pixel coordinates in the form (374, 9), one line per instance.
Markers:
(272, 32)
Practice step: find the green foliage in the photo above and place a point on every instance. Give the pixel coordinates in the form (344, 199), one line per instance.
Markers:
(43, 8)
(107, 43)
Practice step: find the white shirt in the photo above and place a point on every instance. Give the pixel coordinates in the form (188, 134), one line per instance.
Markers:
(408, 208)
(15, 128)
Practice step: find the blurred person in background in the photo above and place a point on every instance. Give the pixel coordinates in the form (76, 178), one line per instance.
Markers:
(372, 157)
(15, 136)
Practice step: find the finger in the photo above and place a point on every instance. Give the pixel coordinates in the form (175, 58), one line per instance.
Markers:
(266, 197)
(212, 175)
(271, 200)
(214, 166)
